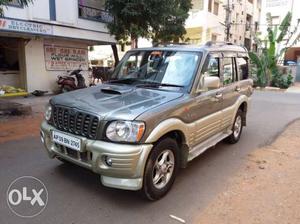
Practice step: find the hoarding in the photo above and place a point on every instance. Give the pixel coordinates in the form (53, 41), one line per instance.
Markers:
(59, 58)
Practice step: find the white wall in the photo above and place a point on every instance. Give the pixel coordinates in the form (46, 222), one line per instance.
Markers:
(66, 16)
(82, 34)
(38, 78)
(16, 12)
(280, 10)
(39, 11)
(66, 12)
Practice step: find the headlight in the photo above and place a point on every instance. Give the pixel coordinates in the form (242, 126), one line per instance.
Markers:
(125, 131)
(48, 112)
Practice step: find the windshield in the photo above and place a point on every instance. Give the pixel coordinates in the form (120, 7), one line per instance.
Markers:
(162, 68)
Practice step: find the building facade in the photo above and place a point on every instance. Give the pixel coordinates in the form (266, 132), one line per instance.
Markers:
(207, 21)
(47, 38)
(278, 10)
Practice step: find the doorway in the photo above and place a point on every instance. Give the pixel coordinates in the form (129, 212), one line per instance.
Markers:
(12, 60)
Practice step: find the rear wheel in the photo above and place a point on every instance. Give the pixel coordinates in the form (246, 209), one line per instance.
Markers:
(161, 169)
(237, 128)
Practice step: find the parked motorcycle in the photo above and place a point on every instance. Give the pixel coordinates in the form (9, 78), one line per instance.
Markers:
(69, 83)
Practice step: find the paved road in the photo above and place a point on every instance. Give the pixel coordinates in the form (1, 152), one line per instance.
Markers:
(76, 195)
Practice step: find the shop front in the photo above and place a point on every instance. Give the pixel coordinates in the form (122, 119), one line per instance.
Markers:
(12, 70)
(33, 54)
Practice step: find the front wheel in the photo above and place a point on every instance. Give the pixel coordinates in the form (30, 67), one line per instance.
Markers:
(237, 128)
(161, 169)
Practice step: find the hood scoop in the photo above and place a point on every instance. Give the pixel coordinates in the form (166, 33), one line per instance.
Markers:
(111, 91)
(116, 90)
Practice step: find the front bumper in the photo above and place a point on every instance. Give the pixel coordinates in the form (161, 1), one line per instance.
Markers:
(128, 161)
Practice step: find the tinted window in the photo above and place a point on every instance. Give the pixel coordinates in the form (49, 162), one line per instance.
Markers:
(165, 67)
(242, 65)
(212, 67)
(228, 71)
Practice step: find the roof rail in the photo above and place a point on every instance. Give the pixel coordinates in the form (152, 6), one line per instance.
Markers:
(217, 43)
(169, 44)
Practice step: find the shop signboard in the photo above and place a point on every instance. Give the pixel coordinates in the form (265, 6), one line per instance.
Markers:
(65, 58)
(25, 26)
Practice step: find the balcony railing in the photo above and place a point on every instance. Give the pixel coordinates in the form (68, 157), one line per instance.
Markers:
(95, 14)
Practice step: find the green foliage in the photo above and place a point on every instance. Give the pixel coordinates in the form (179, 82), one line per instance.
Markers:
(266, 61)
(284, 27)
(156, 19)
(171, 26)
(258, 70)
(281, 80)
(6, 2)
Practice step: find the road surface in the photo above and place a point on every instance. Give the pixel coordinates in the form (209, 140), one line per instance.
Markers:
(77, 196)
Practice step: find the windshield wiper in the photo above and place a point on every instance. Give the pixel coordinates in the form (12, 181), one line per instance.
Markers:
(124, 81)
(155, 84)
(171, 85)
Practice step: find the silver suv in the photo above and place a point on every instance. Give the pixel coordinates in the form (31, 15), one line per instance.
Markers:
(161, 108)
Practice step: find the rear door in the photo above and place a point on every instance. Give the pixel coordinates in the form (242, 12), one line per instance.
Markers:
(242, 64)
(231, 88)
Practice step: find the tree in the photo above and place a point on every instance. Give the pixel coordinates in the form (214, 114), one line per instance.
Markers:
(266, 61)
(156, 19)
(6, 2)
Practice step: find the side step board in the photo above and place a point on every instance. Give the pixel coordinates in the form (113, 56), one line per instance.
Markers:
(202, 147)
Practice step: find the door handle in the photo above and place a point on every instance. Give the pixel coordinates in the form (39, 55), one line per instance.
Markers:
(238, 89)
(219, 95)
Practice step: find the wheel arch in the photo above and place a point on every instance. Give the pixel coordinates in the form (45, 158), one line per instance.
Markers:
(175, 129)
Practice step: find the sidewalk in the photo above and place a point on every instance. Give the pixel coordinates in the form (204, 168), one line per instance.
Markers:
(294, 89)
(23, 106)
(265, 190)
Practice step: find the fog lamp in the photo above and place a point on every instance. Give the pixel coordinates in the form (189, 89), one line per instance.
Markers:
(108, 161)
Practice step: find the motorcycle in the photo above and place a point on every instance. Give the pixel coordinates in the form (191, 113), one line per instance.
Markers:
(68, 83)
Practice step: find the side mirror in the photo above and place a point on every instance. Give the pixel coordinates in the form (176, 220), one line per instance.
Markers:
(211, 82)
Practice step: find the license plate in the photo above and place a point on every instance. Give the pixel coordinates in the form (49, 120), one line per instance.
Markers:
(66, 140)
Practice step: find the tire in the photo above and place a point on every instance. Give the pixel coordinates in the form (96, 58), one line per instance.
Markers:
(161, 169)
(237, 128)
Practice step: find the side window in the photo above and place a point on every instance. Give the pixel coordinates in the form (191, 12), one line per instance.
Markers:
(229, 73)
(242, 65)
(212, 67)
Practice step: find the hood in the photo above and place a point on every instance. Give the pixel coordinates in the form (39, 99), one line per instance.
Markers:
(115, 101)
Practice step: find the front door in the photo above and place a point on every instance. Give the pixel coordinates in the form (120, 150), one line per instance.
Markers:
(207, 106)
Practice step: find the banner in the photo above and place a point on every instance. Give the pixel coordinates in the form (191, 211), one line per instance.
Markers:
(25, 27)
(65, 58)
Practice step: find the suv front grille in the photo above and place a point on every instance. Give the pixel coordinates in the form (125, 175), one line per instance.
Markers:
(75, 122)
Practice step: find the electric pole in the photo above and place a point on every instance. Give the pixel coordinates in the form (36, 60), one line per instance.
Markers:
(228, 21)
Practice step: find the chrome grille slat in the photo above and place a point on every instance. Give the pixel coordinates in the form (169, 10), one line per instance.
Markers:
(75, 122)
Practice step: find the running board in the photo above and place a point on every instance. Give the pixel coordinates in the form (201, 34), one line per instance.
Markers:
(202, 147)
